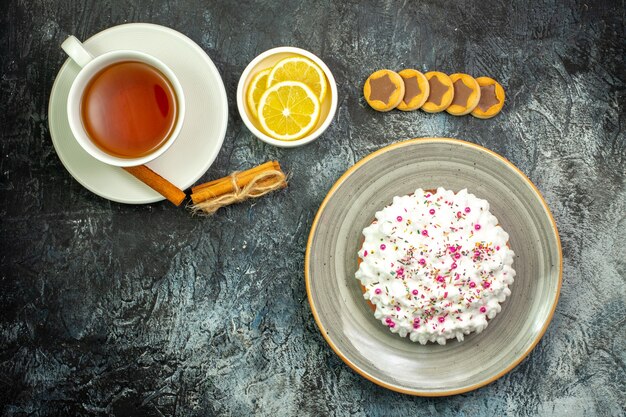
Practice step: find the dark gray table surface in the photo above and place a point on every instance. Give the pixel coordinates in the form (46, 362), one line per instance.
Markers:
(111, 309)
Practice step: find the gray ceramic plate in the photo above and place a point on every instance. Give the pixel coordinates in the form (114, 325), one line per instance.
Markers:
(345, 319)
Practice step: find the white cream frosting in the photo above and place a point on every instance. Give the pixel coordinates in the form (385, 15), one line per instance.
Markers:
(436, 266)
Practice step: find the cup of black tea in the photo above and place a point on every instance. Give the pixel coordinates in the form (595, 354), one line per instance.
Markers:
(125, 108)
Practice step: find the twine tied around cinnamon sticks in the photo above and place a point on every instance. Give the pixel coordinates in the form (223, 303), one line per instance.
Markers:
(239, 186)
(209, 197)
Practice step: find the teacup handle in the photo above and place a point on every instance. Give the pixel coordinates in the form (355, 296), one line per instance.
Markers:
(75, 49)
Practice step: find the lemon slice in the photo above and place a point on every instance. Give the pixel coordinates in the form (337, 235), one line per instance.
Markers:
(298, 68)
(288, 110)
(257, 87)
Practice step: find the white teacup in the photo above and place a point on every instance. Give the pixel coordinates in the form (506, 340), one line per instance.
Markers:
(91, 66)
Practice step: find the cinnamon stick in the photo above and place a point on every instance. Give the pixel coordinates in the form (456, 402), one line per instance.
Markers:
(237, 187)
(252, 171)
(157, 183)
(223, 186)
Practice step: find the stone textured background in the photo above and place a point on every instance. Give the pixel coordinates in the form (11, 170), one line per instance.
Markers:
(108, 309)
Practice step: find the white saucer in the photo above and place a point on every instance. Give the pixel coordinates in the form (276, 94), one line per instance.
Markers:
(200, 138)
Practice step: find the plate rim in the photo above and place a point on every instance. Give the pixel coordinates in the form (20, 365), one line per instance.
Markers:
(223, 98)
(307, 257)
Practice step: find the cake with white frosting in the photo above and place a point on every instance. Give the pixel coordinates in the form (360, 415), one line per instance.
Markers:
(436, 265)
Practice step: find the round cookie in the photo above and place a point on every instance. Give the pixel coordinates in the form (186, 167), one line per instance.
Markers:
(491, 98)
(466, 94)
(384, 90)
(416, 90)
(441, 92)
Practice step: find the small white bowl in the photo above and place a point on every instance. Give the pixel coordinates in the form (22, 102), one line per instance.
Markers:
(266, 60)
